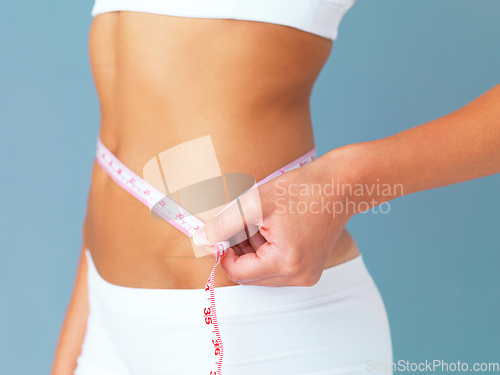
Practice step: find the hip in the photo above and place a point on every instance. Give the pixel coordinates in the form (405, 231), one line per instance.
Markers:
(335, 326)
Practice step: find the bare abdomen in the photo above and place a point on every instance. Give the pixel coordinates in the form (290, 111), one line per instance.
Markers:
(163, 81)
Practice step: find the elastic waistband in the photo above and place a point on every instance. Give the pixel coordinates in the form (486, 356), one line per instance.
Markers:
(232, 301)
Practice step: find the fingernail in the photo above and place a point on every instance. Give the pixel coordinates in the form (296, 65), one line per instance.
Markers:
(200, 238)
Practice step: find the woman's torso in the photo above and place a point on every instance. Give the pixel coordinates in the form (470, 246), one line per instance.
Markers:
(165, 80)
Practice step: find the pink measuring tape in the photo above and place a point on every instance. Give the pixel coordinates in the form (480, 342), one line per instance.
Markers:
(185, 222)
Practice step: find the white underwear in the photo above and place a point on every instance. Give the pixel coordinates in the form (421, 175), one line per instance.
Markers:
(334, 327)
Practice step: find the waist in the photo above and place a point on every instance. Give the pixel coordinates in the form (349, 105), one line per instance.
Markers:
(255, 144)
(235, 301)
(133, 248)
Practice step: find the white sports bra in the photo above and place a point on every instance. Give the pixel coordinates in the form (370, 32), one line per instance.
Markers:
(321, 17)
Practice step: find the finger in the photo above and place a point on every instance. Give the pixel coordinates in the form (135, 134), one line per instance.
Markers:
(245, 247)
(221, 227)
(238, 250)
(238, 238)
(246, 210)
(233, 251)
(234, 242)
(257, 240)
(213, 251)
(252, 266)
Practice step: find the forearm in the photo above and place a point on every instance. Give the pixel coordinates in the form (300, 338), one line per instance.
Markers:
(458, 147)
(74, 326)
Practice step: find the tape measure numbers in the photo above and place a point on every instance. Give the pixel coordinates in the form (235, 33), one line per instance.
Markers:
(186, 223)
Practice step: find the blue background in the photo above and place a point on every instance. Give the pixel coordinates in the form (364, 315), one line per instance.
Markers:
(396, 64)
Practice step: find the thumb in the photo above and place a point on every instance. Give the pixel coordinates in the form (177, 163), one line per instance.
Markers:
(229, 224)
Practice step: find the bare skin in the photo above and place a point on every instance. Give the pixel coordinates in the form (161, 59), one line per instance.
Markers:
(166, 80)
